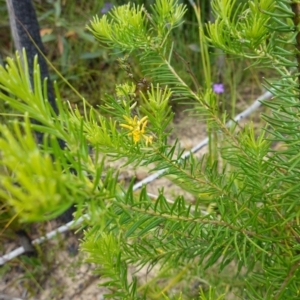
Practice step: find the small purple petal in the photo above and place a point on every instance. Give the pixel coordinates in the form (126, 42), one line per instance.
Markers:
(107, 7)
(218, 88)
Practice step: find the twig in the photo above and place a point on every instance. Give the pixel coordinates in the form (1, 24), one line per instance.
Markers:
(292, 272)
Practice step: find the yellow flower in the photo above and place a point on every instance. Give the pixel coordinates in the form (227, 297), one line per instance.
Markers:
(137, 129)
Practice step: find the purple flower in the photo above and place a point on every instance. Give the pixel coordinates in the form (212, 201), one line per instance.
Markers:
(218, 88)
(107, 6)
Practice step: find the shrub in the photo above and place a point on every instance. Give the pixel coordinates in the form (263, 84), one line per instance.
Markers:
(253, 186)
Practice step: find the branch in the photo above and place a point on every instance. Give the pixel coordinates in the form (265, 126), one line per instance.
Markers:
(291, 273)
(145, 181)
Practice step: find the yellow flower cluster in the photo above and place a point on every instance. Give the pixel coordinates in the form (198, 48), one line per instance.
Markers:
(137, 129)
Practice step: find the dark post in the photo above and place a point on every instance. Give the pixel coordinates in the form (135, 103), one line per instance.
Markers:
(25, 29)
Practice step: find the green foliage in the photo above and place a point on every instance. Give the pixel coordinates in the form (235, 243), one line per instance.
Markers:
(132, 28)
(254, 228)
(241, 27)
(211, 295)
(107, 253)
(31, 168)
(127, 26)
